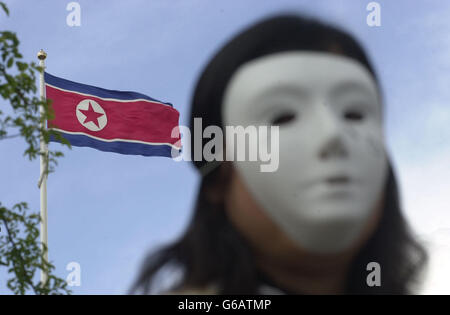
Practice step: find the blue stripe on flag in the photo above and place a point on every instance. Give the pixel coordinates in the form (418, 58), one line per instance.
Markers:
(119, 146)
(96, 91)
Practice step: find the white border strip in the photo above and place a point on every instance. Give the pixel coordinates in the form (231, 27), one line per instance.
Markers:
(108, 99)
(115, 139)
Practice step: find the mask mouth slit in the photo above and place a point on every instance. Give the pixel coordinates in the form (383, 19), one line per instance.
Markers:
(338, 180)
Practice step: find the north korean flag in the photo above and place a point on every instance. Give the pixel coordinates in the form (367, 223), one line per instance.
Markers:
(113, 121)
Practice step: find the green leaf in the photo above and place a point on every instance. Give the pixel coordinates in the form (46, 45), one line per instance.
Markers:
(5, 8)
(22, 66)
(10, 62)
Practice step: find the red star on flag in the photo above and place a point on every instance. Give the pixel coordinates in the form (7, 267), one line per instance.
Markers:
(91, 115)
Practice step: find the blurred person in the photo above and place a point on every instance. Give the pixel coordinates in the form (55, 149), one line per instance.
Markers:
(332, 206)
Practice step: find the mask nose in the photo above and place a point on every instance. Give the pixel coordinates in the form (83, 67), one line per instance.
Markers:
(332, 144)
(334, 147)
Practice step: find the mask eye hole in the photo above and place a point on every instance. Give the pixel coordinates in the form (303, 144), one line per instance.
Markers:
(353, 115)
(283, 118)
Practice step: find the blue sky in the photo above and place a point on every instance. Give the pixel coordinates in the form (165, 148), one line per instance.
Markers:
(107, 210)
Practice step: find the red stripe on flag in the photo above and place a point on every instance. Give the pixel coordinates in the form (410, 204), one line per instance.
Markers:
(135, 120)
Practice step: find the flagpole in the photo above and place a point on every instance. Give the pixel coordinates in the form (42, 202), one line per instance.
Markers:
(42, 184)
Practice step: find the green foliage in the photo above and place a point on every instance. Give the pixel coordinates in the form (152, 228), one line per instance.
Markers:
(20, 249)
(20, 252)
(4, 7)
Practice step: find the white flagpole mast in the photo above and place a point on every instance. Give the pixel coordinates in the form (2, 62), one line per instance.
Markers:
(42, 184)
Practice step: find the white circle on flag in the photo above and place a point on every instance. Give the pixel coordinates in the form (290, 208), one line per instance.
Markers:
(91, 115)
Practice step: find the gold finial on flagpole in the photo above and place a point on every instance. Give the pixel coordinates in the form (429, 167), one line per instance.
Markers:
(41, 55)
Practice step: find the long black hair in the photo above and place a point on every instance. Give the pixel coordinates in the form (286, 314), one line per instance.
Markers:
(211, 250)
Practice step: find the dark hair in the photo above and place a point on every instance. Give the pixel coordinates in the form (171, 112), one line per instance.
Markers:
(211, 250)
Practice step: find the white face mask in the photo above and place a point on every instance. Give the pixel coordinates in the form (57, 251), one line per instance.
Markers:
(332, 159)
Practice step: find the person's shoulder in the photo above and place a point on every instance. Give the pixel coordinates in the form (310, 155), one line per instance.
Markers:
(214, 290)
(206, 290)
